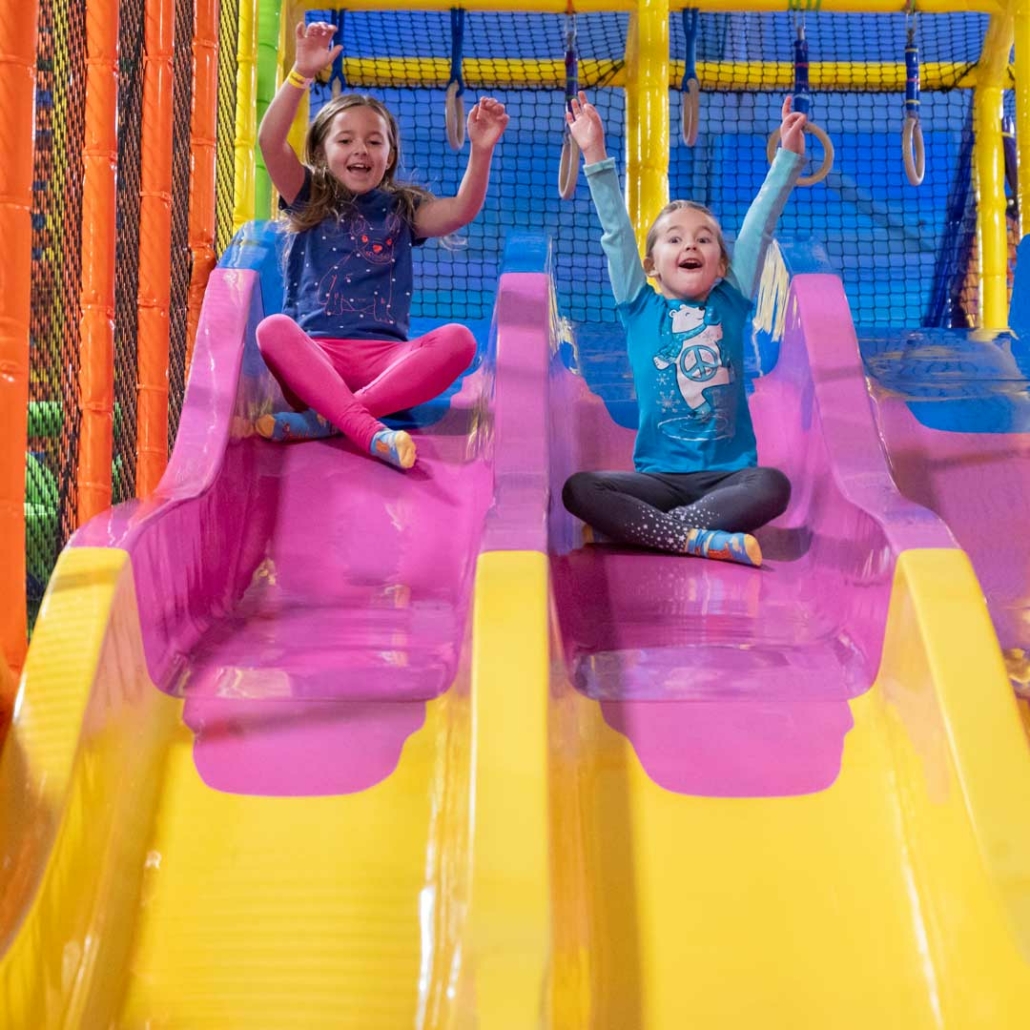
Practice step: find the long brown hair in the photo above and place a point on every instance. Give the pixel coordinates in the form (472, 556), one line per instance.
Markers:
(329, 197)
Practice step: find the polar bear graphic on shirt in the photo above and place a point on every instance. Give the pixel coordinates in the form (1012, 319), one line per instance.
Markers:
(695, 352)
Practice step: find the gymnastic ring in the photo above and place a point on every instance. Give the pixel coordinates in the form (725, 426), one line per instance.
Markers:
(455, 112)
(691, 112)
(568, 169)
(912, 149)
(824, 169)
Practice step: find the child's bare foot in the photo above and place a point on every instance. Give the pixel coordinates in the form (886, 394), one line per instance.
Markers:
(723, 546)
(395, 447)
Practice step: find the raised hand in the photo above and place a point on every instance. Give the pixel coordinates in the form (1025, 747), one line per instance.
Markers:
(792, 128)
(486, 123)
(587, 129)
(312, 52)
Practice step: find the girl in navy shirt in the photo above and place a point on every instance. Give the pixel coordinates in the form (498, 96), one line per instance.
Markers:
(340, 347)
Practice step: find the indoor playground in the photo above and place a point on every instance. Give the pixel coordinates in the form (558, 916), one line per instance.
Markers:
(293, 739)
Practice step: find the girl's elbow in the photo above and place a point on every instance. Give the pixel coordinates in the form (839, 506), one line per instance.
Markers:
(443, 224)
(439, 229)
(265, 145)
(272, 137)
(465, 215)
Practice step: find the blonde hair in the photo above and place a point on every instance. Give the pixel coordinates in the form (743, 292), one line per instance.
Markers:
(329, 197)
(680, 205)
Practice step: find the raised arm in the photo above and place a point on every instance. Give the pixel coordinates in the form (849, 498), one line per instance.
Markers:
(760, 221)
(625, 270)
(442, 215)
(312, 55)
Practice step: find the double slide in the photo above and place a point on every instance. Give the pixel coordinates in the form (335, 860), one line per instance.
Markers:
(304, 741)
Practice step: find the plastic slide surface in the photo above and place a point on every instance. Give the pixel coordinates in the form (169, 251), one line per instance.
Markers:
(953, 410)
(240, 786)
(795, 796)
(304, 741)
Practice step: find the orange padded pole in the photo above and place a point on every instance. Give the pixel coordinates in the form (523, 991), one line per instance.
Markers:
(203, 148)
(17, 86)
(155, 247)
(96, 325)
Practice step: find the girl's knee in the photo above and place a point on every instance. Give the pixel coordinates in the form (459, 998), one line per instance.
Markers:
(273, 331)
(461, 343)
(776, 487)
(577, 487)
(275, 324)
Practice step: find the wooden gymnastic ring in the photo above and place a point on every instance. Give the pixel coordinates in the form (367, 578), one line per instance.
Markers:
(912, 150)
(691, 112)
(824, 169)
(455, 115)
(568, 169)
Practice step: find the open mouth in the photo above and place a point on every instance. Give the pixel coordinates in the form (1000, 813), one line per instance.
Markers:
(691, 264)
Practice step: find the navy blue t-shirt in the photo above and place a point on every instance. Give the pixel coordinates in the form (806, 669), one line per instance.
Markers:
(350, 278)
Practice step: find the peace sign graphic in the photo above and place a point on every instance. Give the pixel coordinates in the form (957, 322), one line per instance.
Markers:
(699, 362)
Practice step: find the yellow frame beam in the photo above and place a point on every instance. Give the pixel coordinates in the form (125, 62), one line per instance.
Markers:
(647, 114)
(714, 76)
(245, 162)
(1021, 35)
(596, 6)
(989, 167)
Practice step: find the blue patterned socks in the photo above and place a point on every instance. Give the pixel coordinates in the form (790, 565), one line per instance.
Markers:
(723, 546)
(395, 447)
(294, 425)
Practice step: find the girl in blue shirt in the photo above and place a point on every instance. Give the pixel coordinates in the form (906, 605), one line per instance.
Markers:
(697, 488)
(340, 349)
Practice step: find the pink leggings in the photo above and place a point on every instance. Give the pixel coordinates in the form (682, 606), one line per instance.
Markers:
(353, 383)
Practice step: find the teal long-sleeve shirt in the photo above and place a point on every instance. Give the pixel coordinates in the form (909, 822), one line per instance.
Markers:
(687, 358)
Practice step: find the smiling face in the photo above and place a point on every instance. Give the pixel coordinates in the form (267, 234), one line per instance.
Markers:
(358, 148)
(686, 253)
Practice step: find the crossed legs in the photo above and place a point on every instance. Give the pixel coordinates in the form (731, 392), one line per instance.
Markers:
(352, 384)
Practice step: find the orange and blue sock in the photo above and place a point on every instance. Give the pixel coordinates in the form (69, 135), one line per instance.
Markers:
(294, 425)
(394, 446)
(723, 546)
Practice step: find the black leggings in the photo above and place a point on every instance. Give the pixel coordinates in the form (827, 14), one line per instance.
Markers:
(656, 510)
